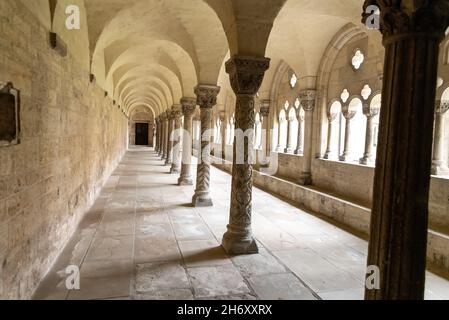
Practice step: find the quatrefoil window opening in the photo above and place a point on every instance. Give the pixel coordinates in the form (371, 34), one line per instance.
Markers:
(358, 59)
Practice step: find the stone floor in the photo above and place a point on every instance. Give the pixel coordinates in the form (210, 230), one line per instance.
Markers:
(142, 240)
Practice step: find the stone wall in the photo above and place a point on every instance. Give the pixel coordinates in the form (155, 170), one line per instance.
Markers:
(72, 139)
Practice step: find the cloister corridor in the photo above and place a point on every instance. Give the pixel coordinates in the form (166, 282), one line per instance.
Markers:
(143, 240)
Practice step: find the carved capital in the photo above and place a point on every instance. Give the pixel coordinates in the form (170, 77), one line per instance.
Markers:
(370, 112)
(347, 112)
(221, 116)
(265, 109)
(176, 112)
(207, 96)
(442, 106)
(400, 17)
(188, 106)
(247, 73)
(307, 99)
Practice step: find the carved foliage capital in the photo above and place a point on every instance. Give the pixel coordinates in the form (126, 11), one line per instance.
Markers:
(397, 17)
(307, 99)
(207, 96)
(247, 73)
(347, 112)
(188, 106)
(370, 112)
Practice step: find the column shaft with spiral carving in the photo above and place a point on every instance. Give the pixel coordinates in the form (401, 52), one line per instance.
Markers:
(206, 99)
(246, 75)
(412, 32)
(188, 108)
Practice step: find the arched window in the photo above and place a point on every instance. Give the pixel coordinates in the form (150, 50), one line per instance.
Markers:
(375, 104)
(218, 130)
(257, 132)
(282, 130)
(231, 130)
(357, 133)
(292, 128)
(334, 143)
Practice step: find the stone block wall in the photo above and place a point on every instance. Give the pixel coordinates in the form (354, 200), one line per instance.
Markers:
(72, 139)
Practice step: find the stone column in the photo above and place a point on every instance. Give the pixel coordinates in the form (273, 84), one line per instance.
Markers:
(156, 146)
(289, 148)
(307, 98)
(412, 33)
(170, 123)
(176, 140)
(439, 165)
(206, 99)
(299, 148)
(246, 75)
(188, 108)
(349, 115)
(222, 116)
(159, 139)
(164, 138)
(331, 153)
(264, 114)
(279, 147)
(370, 114)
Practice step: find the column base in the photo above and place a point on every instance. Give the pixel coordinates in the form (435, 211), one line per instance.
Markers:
(237, 244)
(439, 169)
(175, 170)
(288, 150)
(299, 152)
(279, 149)
(366, 161)
(201, 200)
(305, 179)
(185, 181)
(168, 162)
(344, 158)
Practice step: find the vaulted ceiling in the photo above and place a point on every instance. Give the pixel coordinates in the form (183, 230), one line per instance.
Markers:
(153, 52)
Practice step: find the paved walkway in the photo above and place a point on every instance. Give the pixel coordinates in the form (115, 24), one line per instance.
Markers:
(142, 240)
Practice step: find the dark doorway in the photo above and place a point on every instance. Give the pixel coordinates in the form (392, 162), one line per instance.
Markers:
(141, 134)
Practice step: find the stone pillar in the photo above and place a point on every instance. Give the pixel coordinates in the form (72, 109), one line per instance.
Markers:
(307, 98)
(264, 115)
(289, 148)
(170, 123)
(176, 140)
(331, 153)
(439, 165)
(299, 148)
(164, 138)
(206, 99)
(370, 114)
(161, 134)
(156, 146)
(222, 116)
(246, 75)
(349, 115)
(279, 147)
(188, 108)
(412, 33)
